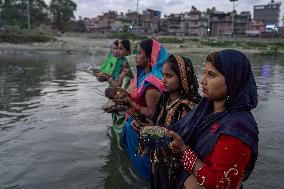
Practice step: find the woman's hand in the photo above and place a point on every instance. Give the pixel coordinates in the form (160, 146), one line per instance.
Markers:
(149, 122)
(113, 83)
(102, 78)
(136, 126)
(125, 100)
(177, 143)
(123, 73)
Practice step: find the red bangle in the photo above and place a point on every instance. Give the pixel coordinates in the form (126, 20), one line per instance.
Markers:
(189, 158)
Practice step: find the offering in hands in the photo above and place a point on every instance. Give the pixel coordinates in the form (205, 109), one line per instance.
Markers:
(115, 93)
(154, 141)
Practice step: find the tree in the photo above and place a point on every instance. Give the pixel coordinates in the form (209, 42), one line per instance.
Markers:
(210, 11)
(11, 12)
(63, 11)
(15, 12)
(81, 25)
(38, 11)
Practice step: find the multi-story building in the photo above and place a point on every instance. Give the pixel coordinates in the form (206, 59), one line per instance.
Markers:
(91, 24)
(242, 22)
(150, 21)
(198, 23)
(258, 25)
(270, 13)
(173, 24)
(104, 21)
(163, 26)
(221, 24)
(121, 23)
(193, 23)
(230, 23)
(185, 23)
(132, 17)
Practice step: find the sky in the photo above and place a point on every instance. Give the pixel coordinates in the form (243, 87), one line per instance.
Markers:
(93, 8)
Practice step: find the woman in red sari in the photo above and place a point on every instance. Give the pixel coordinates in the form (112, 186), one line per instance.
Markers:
(219, 139)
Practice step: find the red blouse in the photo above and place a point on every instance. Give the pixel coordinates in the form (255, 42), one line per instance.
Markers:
(225, 166)
(143, 99)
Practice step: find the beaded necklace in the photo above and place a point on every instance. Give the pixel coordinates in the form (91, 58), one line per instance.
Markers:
(168, 106)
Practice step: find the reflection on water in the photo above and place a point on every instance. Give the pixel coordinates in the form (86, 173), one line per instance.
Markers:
(119, 169)
(54, 135)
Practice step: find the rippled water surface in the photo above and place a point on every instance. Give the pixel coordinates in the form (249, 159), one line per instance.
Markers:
(54, 135)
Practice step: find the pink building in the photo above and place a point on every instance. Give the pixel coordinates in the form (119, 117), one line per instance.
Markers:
(258, 25)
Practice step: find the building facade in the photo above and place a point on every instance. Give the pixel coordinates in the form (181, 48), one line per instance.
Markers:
(242, 23)
(269, 13)
(221, 24)
(193, 23)
(258, 25)
(228, 24)
(150, 21)
(198, 23)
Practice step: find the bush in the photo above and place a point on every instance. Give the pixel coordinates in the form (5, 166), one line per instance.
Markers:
(22, 38)
(216, 43)
(279, 45)
(128, 35)
(193, 39)
(170, 40)
(256, 44)
(12, 29)
(13, 34)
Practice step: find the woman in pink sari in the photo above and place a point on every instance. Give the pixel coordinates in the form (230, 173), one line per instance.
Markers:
(145, 91)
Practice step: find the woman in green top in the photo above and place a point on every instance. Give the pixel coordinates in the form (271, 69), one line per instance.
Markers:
(121, 76)
(106, 68)
(109, 63)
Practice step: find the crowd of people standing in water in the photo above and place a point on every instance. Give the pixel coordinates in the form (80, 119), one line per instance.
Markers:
(214, 136)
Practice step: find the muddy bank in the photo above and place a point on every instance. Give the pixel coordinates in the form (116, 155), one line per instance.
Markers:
(93, 46)
(63, 45)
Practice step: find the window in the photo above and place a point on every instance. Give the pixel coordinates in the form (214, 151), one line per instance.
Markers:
(258, 7)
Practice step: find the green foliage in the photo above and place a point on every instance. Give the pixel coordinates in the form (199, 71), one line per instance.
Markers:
(193, 39)
(38, 10)
(24, 38)
(256, 44)
(269, 48)
(278, 45)
(63, 11)
(128, 35)
(73, 26)
(12, 29)
(214, 43)
(15, 12)
(170, 40)
(210, 11)
(13, 34)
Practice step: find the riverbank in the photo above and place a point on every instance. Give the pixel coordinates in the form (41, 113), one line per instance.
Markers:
(92, 44)
(62, 45)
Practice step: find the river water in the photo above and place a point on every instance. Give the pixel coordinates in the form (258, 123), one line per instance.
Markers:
(53, 133)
